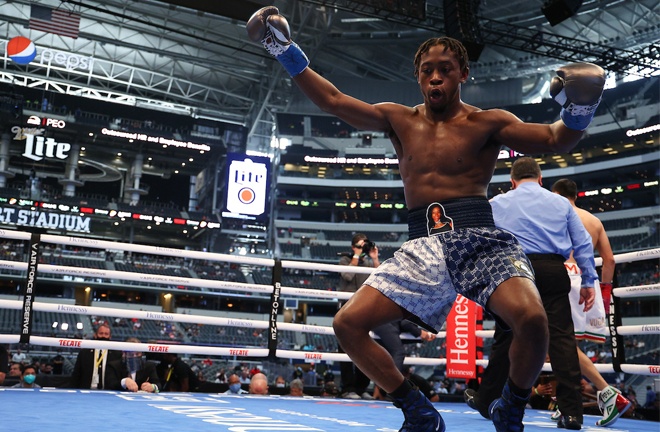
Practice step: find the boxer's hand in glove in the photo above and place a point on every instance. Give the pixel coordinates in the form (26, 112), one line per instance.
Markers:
(578, 88)
(272, 29)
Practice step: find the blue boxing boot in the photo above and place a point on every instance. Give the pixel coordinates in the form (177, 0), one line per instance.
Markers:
(508, 411)
(419, 413)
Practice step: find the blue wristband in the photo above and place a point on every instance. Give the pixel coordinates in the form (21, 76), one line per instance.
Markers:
(576, 116)
(293, 59)
(576, 122)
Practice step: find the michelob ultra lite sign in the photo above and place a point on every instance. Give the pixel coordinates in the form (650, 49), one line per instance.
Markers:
(248, 184)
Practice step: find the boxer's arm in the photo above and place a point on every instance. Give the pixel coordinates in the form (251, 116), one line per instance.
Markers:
(605, 251)
(355, 112)
(577, 88)
(528, 138)
(272, 30)
(583, 250)
(607, 270)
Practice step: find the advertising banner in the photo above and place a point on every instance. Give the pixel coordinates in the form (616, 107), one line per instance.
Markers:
(461, 339)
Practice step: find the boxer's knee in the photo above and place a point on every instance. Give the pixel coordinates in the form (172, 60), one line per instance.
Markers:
(348, 325)
(341, 324)
(532, 325)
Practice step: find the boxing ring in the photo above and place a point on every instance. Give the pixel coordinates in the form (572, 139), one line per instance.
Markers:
(99, 410)
(106, 409)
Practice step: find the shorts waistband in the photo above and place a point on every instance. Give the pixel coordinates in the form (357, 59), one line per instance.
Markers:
(551, 257)
(470, 212)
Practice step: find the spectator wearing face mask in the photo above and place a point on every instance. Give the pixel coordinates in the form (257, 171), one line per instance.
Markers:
(280, 382)
(139, 374)
(234, 385)
(28, 376)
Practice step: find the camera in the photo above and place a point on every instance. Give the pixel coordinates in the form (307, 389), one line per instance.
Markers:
(367, 246)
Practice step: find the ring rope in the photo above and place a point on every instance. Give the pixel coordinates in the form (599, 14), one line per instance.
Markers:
(624, 292)
(211, 256)
(174, 280)
(237, 322)
(629, 330)
(139, 277)
(132, 247)
(303, 265)
(652, 370)
(642, 291)
(651, 290)
(128, 313)
(256, 352)
(632, 256)
(143, 347)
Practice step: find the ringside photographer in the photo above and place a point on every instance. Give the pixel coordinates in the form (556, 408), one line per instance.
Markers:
(354, 383)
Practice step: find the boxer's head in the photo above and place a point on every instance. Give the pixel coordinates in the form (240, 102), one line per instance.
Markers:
(450, 44)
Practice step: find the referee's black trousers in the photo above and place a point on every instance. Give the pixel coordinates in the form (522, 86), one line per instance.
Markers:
(554, 285)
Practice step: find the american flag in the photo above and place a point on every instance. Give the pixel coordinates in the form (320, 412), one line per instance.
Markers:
(56, 21)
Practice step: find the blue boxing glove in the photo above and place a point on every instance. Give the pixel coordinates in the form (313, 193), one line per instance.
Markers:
(578, 88)
(272, 29)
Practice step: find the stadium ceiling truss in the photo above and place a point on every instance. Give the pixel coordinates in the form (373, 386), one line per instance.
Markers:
(149, 53)
(593, 35)
(138, 71)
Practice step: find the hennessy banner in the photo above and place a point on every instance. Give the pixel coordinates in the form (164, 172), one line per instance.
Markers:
(480, 341)
(614, 321)
(461, 339)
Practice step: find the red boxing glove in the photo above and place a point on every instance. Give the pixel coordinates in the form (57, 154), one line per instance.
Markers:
(606, 291)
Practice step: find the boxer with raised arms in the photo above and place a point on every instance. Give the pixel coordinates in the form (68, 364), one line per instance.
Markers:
(447, 152)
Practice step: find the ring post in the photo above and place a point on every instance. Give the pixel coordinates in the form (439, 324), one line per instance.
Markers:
(275, 305)
(614, 321)
(29, 290)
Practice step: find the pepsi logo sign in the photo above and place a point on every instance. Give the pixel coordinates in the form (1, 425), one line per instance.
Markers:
(21, 50)
(68, 60)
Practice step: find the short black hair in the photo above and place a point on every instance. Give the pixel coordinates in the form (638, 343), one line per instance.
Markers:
(29, 366)
(566, 188)
(451, 44)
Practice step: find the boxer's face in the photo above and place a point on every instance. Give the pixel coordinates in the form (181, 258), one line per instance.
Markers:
(439, 77)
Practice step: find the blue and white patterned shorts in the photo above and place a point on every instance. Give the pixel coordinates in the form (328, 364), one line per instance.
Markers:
(425, 274)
